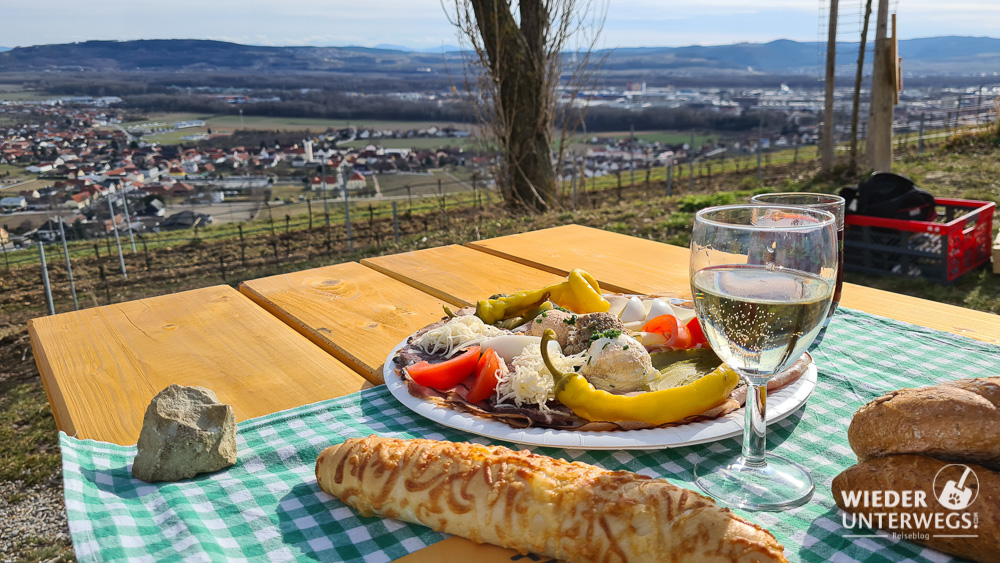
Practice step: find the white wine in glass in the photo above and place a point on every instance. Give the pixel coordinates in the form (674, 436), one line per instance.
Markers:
(762, 278)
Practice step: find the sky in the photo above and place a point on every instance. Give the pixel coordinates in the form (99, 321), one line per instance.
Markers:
(421, 24)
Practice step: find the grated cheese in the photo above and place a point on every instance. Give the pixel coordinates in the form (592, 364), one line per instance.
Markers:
(531, 382)
(456, 334)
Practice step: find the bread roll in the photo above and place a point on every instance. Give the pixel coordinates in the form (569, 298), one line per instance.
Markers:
(958, 421)
(917, 473)
(533, 503)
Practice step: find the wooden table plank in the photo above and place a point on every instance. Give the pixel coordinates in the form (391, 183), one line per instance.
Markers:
(619, 262)
(623, 263)
(102, 366)
(459, 275)
(349, 310)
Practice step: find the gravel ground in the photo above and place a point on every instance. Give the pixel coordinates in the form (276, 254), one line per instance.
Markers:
(33, 522)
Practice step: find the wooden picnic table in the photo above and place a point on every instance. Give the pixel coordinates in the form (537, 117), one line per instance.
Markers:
(297, 338)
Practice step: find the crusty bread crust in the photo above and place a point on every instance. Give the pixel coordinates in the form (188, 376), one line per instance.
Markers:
(916, 473)
(533, 503)
(958, 421)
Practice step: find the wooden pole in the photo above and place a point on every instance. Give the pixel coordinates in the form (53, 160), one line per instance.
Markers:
(826, 162)
(395, 221)
(883, 92)
(920, 139)
(858, 76)
(691, 163)
(760, 143)
(243, 246)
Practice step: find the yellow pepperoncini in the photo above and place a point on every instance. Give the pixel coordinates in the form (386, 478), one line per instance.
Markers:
(653, 407)
(492, 311)
(580, 294)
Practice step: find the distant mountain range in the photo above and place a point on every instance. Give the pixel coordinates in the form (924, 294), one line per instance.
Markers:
(928, 56)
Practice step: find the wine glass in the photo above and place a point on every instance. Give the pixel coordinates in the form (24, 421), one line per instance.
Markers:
(762, 278)
(826, 202)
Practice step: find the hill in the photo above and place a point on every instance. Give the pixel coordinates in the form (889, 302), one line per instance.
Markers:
(964, 167)
(939, 56)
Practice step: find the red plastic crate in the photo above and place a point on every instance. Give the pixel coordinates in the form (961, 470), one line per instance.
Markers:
(956, 242)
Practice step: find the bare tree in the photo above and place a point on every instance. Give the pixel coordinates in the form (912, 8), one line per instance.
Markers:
(520, 59)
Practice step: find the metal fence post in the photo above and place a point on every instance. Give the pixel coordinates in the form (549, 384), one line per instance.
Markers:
(670, 174)
(69, 265)
(128, 220)
(118, 240)
(45, 278)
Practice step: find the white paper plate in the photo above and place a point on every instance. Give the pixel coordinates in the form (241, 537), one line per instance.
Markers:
(781, 403)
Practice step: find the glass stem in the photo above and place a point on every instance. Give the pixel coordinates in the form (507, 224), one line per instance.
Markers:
(755, 429)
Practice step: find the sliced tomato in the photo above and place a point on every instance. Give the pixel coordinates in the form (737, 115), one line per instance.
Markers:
(487, 372)
(677, 335)
(697, 334)
(446, 374)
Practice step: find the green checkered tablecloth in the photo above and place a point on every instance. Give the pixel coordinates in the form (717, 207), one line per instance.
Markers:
(268, 507)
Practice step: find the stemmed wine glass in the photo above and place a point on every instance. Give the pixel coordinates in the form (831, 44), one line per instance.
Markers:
(762, 278)
(826, 202)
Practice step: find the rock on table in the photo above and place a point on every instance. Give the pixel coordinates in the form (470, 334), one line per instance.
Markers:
(186, 431)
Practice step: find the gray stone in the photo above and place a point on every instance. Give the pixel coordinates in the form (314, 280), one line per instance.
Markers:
(186, 431)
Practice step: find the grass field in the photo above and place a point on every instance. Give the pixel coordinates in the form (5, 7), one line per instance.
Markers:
(24, 96)
(230, 123)
(665, 137)
(265, 123)
(453, 179)
(415, 143)
(29, 185)
(177, 137)
(13, 170)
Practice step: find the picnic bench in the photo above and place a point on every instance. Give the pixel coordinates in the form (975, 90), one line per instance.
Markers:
(321, 336)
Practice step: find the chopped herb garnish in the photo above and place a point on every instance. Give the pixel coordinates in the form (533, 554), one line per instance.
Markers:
(625, 347)
(570, 321)
(545, 314)
(538, 320)
(611, 333)
(561, 308)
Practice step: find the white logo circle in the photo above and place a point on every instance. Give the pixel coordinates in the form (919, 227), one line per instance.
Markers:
(958, 489)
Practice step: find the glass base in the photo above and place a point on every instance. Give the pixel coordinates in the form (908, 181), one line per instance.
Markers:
(778, 484)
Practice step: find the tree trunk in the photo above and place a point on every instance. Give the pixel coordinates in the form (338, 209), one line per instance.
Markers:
(517, 65)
